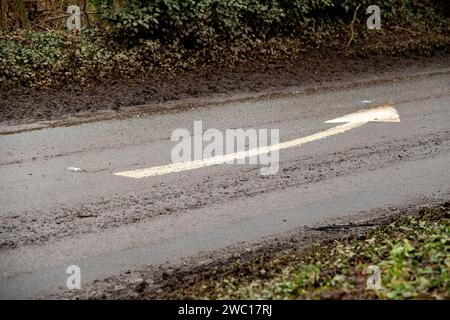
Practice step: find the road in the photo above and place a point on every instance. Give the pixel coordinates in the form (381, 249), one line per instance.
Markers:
(107, 222)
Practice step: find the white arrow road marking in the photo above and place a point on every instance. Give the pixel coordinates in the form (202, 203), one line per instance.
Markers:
(381, 113)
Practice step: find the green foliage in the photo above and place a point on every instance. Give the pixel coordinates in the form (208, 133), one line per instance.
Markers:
(182, 34)
(206, 23)
(196, 24)
(27, 56)
(412, 253)
(48, 58)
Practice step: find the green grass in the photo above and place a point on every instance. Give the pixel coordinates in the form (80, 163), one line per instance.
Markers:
(412, 254)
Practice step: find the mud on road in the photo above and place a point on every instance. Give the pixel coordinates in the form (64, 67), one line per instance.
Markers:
(244, 261)
(37, 227)
(314, 68)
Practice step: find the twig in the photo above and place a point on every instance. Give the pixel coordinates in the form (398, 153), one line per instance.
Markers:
(352, 26)
(87, 15)
(68, 15)
(42, 27)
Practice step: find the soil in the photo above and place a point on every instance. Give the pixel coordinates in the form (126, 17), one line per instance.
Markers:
(319, 67)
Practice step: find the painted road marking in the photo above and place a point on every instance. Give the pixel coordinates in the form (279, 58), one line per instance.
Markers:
(381, 113)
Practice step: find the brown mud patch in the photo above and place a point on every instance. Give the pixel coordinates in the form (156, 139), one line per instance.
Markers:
(164, 93)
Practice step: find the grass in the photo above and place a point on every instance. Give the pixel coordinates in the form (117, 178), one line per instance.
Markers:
(412, 255)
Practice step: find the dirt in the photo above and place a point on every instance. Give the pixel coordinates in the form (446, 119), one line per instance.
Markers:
(42, 226)
(173, 281)
(310, 68)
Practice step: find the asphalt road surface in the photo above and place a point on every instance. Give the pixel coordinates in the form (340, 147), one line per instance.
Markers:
(106, 222)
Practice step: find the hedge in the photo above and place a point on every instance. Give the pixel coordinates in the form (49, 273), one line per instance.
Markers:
(166, 35)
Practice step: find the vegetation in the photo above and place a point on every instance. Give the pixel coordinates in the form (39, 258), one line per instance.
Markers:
(412, 254)
(126, 38)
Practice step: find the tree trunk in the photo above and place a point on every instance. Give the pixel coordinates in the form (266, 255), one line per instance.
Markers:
(22, 12)
(3, 13)
(117, 5)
